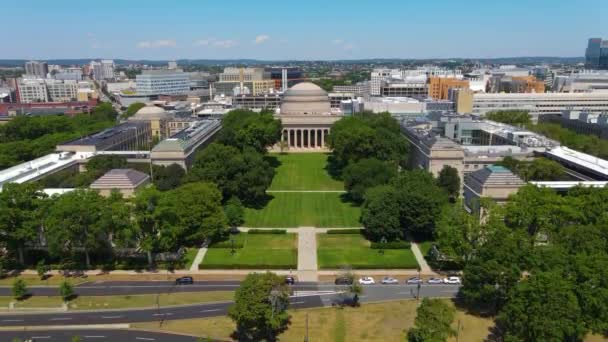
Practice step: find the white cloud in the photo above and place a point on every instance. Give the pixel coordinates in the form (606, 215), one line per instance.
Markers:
(337, 41)
(343, 44)
(225, 44)
(161, 43)
(261, 39)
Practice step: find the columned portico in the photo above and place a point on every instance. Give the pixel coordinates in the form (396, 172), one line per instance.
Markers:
(305, 138)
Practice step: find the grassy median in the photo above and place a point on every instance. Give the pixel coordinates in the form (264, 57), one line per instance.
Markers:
(303, 171)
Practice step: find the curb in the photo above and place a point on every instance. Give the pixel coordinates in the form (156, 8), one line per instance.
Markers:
(68, 327)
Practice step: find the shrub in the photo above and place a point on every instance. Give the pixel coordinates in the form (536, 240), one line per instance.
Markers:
(66, 290)
(391, 245)
(345, 231)
(19, 289)
(227, 244)
(267, 231)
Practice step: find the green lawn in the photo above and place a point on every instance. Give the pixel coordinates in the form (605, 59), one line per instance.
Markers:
(336, 250)
(259, 251)
(303, 171)
(425, 247)
(311, 209)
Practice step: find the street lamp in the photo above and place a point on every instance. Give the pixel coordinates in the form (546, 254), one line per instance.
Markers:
(419, 284)
(382, 244)
(232, 251)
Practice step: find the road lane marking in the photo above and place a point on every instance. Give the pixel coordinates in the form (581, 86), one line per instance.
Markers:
(39, 337)
(211, 310)
(60, 319)
(111, 317)
(94, 337)
(12, 320)
(298, 302)
(162, 314)
(145, 338)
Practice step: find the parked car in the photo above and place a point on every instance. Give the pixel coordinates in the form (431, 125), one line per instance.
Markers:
(343, 281)
(389, 280)
(289, 280)
(414, 280)
(367, 281)
(435, 281)
(184, 281)
(452, 280)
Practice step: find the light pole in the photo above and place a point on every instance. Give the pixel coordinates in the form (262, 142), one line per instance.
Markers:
(419, 284)
(382, 244)
(232, 251)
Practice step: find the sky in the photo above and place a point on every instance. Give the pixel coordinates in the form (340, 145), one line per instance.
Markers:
(302, 30)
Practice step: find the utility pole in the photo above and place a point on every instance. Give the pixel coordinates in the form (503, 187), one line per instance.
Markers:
(458, 331)
(306, 337)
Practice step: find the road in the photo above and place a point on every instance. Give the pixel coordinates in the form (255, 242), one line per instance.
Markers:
(94, 335)
(307, 299)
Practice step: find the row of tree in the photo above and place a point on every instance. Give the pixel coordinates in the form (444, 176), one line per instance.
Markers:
(539, 263)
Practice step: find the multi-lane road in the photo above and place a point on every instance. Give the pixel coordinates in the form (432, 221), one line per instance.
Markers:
(94, 335)
(306, 295)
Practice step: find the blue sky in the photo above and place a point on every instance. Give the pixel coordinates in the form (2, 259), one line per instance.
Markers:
(307, 29)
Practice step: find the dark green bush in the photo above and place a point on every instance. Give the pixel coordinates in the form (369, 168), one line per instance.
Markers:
(391, 245)
(345, 231)
(227, 244)
(267, 231)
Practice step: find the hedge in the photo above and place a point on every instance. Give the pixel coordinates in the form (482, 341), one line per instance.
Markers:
(373, 267)
(391, 245)
(267, 231)
(227, 244)
(345, 231)
(246, 266)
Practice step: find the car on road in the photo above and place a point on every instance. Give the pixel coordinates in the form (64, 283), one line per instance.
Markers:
(414, 280)
(435, 281)
(367, 281)
(452, 280)
(289, 280)
(343, 281)
(389, 281)
(184, 281)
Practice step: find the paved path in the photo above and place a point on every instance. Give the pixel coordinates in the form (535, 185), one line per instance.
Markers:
(307, 254)
(297, 230)
(198, 258)
(424, 267)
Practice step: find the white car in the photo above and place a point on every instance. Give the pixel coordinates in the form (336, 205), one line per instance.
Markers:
(367, 281)
(452, 280)
(435, 281)
(390, 280)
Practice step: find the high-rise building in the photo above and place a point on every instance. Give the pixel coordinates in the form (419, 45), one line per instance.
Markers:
(596, 55)
(103, 70)
(36, 69)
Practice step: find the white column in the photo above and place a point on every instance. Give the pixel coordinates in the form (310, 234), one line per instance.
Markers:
(309, 136)
(323, 138)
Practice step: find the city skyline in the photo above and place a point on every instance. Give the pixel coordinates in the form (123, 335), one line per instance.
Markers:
(302, 31)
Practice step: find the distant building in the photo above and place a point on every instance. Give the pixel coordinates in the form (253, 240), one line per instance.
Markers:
(49, 90)
(125, 181)
(596, 55)
(36, 69)
(128, 136)
(172, 65)
(266, 101)
(581, 122)
(292, 75)
(103, 70)
(439, 86)
(361, 89)
(463, 100)
(515, 84)
(493, 181)
(162, 82)
(71, 74)
(414, 89)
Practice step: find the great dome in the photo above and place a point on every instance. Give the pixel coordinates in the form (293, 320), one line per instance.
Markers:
(150, 112)
(305, 99)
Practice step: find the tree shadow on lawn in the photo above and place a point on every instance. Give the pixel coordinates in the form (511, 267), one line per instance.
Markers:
(261, 203)
(333, 167)
(272, 161)
(346, 198)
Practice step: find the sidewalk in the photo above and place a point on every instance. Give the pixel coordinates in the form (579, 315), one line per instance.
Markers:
(307, 254)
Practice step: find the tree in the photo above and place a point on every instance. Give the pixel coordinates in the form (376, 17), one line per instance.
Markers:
(260, 307)
(247, 129)
(364, 174)
(66, 290)
(450, 181)
(433, 321)
(542, 308)
(511, 117)
(234, 213)
(42, 269)
(147, 223)
(20, 215)
(244, 174)
(78, 220)
(168, 177)
(19, 289)
(380, 214)
(189, 215)
(133, 109)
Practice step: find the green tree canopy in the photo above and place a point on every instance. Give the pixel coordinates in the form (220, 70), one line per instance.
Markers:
(510, 117)
(133, 109)
(449, 180)
(380, 214)
(260, 307)
(433, 321)
(243, 128)
(366, 173)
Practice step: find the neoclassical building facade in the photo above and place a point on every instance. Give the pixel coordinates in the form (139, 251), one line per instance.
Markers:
(307, 117)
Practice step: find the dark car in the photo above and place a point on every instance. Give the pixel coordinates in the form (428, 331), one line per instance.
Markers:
(289, 280)
(343, 281)
(184, 280)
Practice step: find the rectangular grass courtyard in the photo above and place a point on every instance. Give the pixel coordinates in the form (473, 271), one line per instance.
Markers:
(264, 251)
(303, 171)
(308, 209)
(337, 250)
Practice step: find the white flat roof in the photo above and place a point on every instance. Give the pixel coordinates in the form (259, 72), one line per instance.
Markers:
(581, 159)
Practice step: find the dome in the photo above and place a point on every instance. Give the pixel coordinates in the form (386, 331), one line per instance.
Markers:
(305, 98)
(150, 112)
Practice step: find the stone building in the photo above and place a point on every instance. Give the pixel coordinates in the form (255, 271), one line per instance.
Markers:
(494, 181)
(125, 181)
(307, 117)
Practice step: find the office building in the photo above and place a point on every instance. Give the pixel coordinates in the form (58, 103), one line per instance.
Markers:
(580, 122)
(32, 90)
(47, 90)
(285, 77)
(515, 84)
(361, 89)
(542, 103)
(462, 99)
(585, 81)
(414, 89)
(172, 65)
(596, 55)
(162, 82)
(128, 136)
(257, 102)
(103, 70)
(36, 69)
(69, 74)
(439, 86)
(380, 77)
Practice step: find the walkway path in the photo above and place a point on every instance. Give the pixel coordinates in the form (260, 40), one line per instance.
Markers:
(198, 258)
(307, 254)
(424, 267)
(297, 230)
(309, 191)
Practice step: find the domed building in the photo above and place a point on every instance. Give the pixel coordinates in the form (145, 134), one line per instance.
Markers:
(157, 117)
(306, 116)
